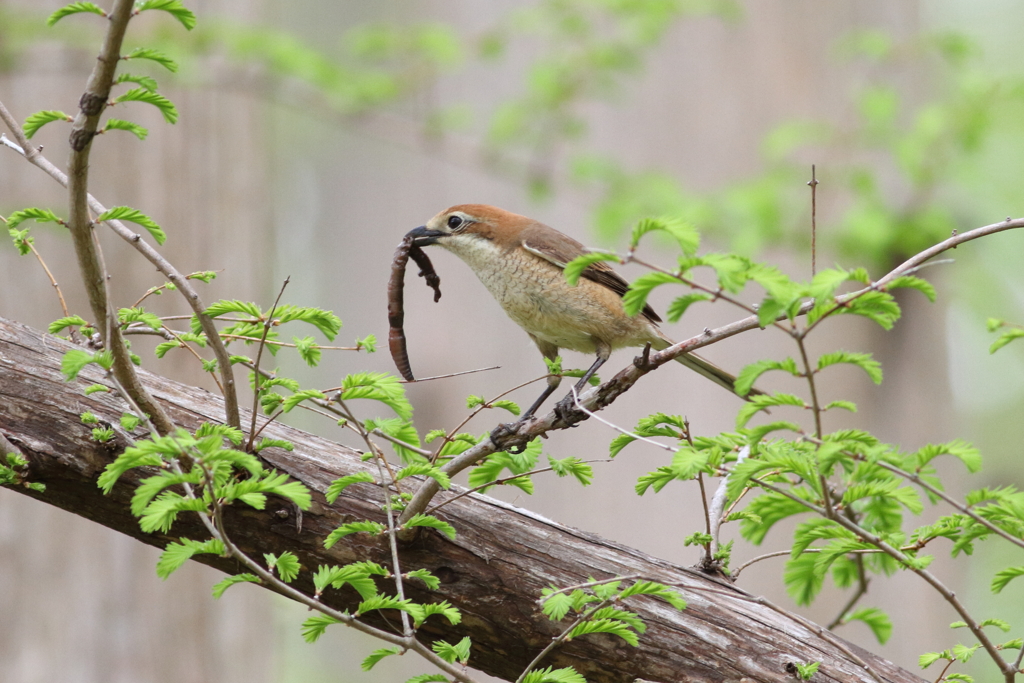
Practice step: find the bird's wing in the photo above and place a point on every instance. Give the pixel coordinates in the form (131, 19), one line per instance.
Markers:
(558, 249)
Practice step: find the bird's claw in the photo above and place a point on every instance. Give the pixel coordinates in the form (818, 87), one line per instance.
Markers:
(508, 432)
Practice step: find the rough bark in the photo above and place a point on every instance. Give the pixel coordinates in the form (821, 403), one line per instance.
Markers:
(493, 572)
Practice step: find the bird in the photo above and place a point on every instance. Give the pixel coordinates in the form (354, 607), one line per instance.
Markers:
(521, 262)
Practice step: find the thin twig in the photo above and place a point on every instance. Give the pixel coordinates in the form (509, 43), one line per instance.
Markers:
(814, 220)
(267, 324)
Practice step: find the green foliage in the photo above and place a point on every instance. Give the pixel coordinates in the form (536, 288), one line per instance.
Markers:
(517, 463)
(33, 213)
(421, 520)
(287, 565)
(459, 652)
(155, 56)
(220, 587)
(377, 386)
(339, 485)
(367, 527)
(574, 269)
(117, 124)
(552, 675)
(126, 213)
(36, 121)
(377, 655)
(166, 107)
(177, 554)
(75, 360)
(315, 626)
(684, 233)
(805, 671)
(74, 8)
(565, 467)
(174, 7)
(877, 620)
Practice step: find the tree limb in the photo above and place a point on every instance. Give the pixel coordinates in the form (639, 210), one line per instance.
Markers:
(493, 572)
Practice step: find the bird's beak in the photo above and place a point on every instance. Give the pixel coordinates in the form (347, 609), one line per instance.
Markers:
(424, 237)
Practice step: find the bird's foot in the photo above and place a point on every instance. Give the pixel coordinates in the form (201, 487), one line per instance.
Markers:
(505, 437)
(568, 413)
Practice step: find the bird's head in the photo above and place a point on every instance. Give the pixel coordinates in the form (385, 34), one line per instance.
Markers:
(468, 223)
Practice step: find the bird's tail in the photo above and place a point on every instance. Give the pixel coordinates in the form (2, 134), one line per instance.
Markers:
(705, 368)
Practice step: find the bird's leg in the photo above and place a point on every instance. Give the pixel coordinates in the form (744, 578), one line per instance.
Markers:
(503, 431)
(565, 408)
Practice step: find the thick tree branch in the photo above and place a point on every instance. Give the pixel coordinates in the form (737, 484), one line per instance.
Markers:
(493, 572)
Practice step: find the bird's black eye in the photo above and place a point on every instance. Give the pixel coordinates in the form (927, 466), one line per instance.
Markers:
(455, 222)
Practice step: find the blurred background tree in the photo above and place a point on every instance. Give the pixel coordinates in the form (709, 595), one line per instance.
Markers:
(313, 135)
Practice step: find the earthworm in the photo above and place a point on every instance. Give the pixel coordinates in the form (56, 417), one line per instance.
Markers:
(396, 307)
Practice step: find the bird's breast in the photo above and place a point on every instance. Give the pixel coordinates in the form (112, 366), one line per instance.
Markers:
(535, 295)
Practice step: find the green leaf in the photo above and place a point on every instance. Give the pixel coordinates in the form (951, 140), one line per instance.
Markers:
(266, 442)
(655, 589)
(1005, 338)
(998, 623)
(682, 232)
(549, 675)
(1005, 576)
(155, 56)
(966, 453)
(877, 306)
(174, 7)
(327, 322)
(58, 326)
(308, 350)
(428, 678)
(165, 106)
(219, 588)
(367, 527)
(73, 362)
(378, 386)
(299, 396)
(379, 602)
(574, 269)
(127, 213)
(133, 315)
(225, 306)
(806, 671)
(583, 472)
(177, 554)
(146, 82)
(750, 374)
(862, 360)
(74, 8)
(425, 469)
(759, 403)
(403, 431)
(315, 626)
(428, 579)
(36, 121)
(118, 124)
(803, 579)
(36, 214)
(431, 522)
(635, 298)
(421, 613)
(845, 405)
(612, 626)
(459, 652)
(929, 658)
(877, 620)
(912, 282)
(287, 565)
(678, 307)
(377, 655)
(339, 485)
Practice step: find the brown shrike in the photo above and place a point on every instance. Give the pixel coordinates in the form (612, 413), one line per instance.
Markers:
(520, 261)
